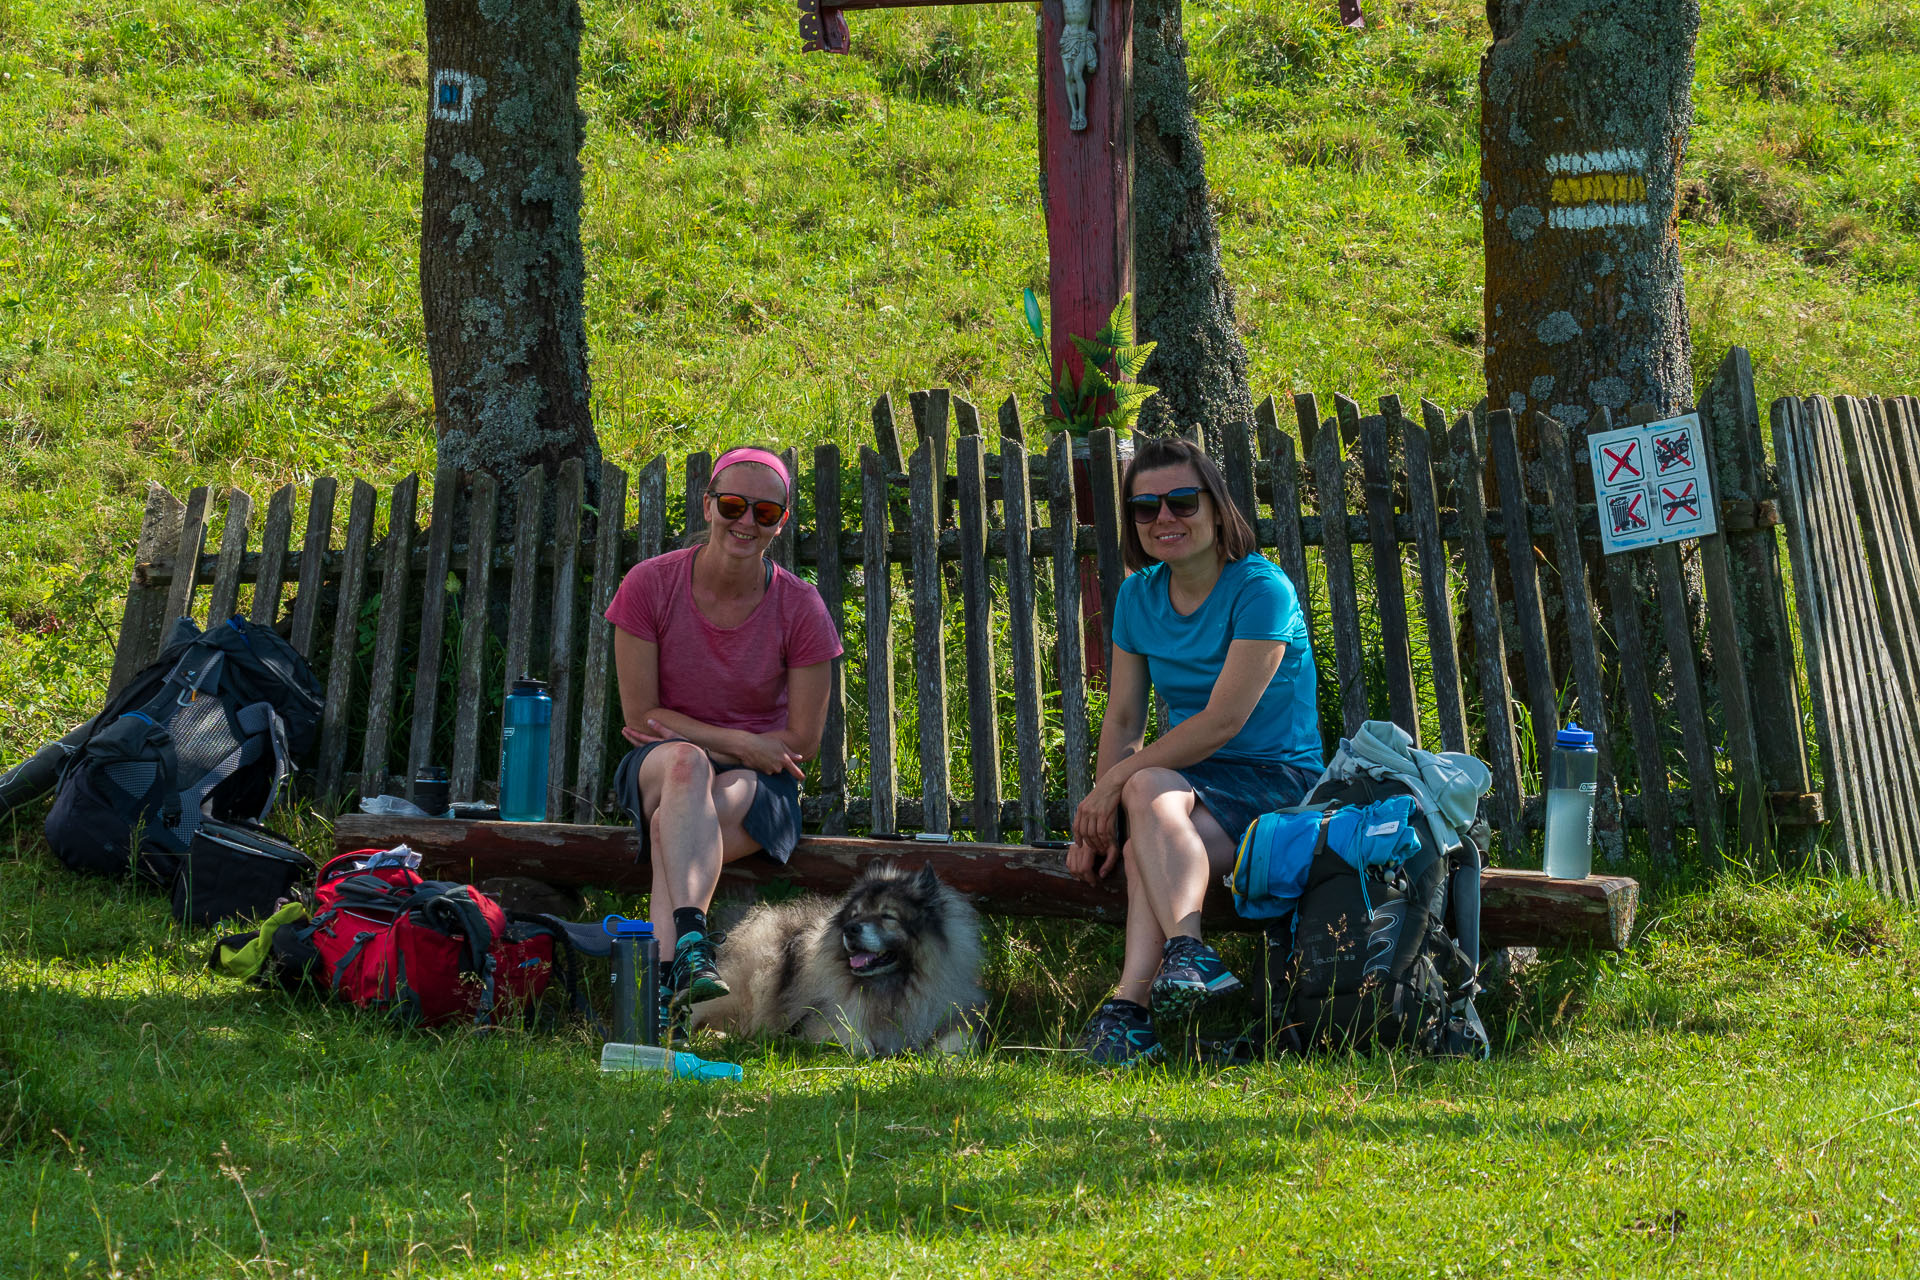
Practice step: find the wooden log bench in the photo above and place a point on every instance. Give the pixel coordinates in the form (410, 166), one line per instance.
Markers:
(984, 571)
(1518, 908)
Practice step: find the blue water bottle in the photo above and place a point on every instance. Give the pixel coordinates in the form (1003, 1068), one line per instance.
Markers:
(523, 752)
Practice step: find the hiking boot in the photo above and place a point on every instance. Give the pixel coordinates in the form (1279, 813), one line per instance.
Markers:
(1191, 973)
(693, 977)
(1120, 1034)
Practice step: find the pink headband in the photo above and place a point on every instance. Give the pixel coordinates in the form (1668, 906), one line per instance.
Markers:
(751, 454)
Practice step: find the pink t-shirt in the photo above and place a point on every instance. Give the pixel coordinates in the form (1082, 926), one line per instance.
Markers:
(728, 677)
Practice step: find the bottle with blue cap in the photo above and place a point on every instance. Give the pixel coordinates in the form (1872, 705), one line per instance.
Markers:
(1573, 779)
(636, 980)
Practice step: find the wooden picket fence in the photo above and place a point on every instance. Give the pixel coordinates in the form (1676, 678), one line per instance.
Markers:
(1392, 527)
(1850, 485)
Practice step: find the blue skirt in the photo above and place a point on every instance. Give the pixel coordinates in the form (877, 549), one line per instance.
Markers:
(773, 819)
(1238, 791)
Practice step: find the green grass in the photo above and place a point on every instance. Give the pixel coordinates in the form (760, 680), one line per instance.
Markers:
(1735, 1097)
(207, 275)
(208, 221)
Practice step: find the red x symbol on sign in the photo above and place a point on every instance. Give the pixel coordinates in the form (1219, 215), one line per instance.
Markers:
(1679, 503)
(1622, 460)
(1625, 508)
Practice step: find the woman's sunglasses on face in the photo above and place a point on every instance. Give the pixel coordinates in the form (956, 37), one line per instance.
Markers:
(731, 506)
(1184, 503)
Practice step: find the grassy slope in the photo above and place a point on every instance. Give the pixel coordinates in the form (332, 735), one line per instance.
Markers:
(206, 274)
(1734, 1099)
(207, 213)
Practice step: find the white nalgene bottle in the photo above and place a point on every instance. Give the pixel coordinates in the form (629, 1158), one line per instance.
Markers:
(1573, 779)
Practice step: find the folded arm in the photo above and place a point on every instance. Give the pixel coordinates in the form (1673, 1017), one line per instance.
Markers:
(637, 664)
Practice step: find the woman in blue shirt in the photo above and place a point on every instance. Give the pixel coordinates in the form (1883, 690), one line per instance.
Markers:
(1217, 630)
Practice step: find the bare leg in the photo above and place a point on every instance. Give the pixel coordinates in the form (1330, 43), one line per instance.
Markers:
(1175, 850)
(694, 828)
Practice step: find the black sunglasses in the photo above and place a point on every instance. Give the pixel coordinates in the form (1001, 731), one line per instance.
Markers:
(731, 506)
(1184, 503)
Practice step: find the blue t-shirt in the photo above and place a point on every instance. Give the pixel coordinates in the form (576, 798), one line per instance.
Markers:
(1252, 600)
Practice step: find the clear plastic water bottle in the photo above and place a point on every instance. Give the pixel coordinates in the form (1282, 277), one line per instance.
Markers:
(523, 752)
(1573, 779)
(623, 1059)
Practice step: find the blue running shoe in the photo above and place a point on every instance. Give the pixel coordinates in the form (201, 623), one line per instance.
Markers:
(1191, 973)
(693, 977)
(1120, 1034)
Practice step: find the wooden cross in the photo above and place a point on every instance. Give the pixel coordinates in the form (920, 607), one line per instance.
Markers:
(1088, 183)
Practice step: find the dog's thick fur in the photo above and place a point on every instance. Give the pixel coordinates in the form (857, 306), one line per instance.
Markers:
(892, 967)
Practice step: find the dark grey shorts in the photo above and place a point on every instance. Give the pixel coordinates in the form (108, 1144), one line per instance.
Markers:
(1238, 791)
(773, 819)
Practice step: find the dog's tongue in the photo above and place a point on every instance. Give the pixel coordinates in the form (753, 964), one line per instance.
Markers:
(859, 960)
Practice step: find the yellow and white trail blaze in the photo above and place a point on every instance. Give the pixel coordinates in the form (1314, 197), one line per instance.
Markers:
(1595, 189)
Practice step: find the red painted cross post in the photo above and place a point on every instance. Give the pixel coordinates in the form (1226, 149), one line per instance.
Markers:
(1088, 160)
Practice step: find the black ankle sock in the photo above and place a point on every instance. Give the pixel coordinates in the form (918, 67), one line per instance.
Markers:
(688, 920)
(1130, 1009)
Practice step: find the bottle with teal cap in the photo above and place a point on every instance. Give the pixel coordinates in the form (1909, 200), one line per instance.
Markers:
(1573, 779)
(624, 1059)
(525, 731)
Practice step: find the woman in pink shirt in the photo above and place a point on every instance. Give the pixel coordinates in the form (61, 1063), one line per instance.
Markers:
(724, 661)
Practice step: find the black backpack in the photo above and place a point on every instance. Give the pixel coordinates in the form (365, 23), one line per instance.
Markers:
(210, 730)
(1388, 957)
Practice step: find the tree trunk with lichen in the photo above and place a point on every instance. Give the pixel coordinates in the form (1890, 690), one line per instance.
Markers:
(502, 278)
(1182, 299)
(1585, 109)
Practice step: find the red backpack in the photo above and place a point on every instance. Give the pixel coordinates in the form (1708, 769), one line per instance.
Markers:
(426, 950)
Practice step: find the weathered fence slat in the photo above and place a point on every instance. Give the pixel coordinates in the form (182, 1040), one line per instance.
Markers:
(932, 419)
(346, 634)
(1826, 665)
(1077, 760)
(1024, 638)
(313, 563)
(597, 677)
(1858, 743)
(1633, 662)
(693, 511)
(186, 559)
(1439, 449)
(1703, 777)
(966, 417)
(650, 511)
(274, 538)
(929, 633)
(223, 600)
(1878, 535)
(1731, 413)
(1390, 591)
(784, 542)
(396, 569)
(1730, 691)
(1236, 460)
(1436, 593)
(831, 575)
(1887, 430)
(1103, 470)
(976, 594)
(1336, 556)
(1571, 570)
(1306, 417)
(1489, 649)
(570, 484)
(1886, 768)
(878, 577)
(433, 622)
(1523, 574)
(1010, 428)
(886, 436)
(1286, 519)
(476, 589)
(529, 498)
(144, 617)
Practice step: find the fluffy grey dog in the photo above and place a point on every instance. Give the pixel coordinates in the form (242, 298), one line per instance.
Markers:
(891, 967)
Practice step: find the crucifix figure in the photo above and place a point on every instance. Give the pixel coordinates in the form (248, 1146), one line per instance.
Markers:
(1086, 150)
(1079, 58)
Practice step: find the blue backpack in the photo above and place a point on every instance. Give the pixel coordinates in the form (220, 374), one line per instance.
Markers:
(1373, 933)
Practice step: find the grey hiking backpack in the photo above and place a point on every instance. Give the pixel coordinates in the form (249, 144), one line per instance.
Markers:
(209, 730)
